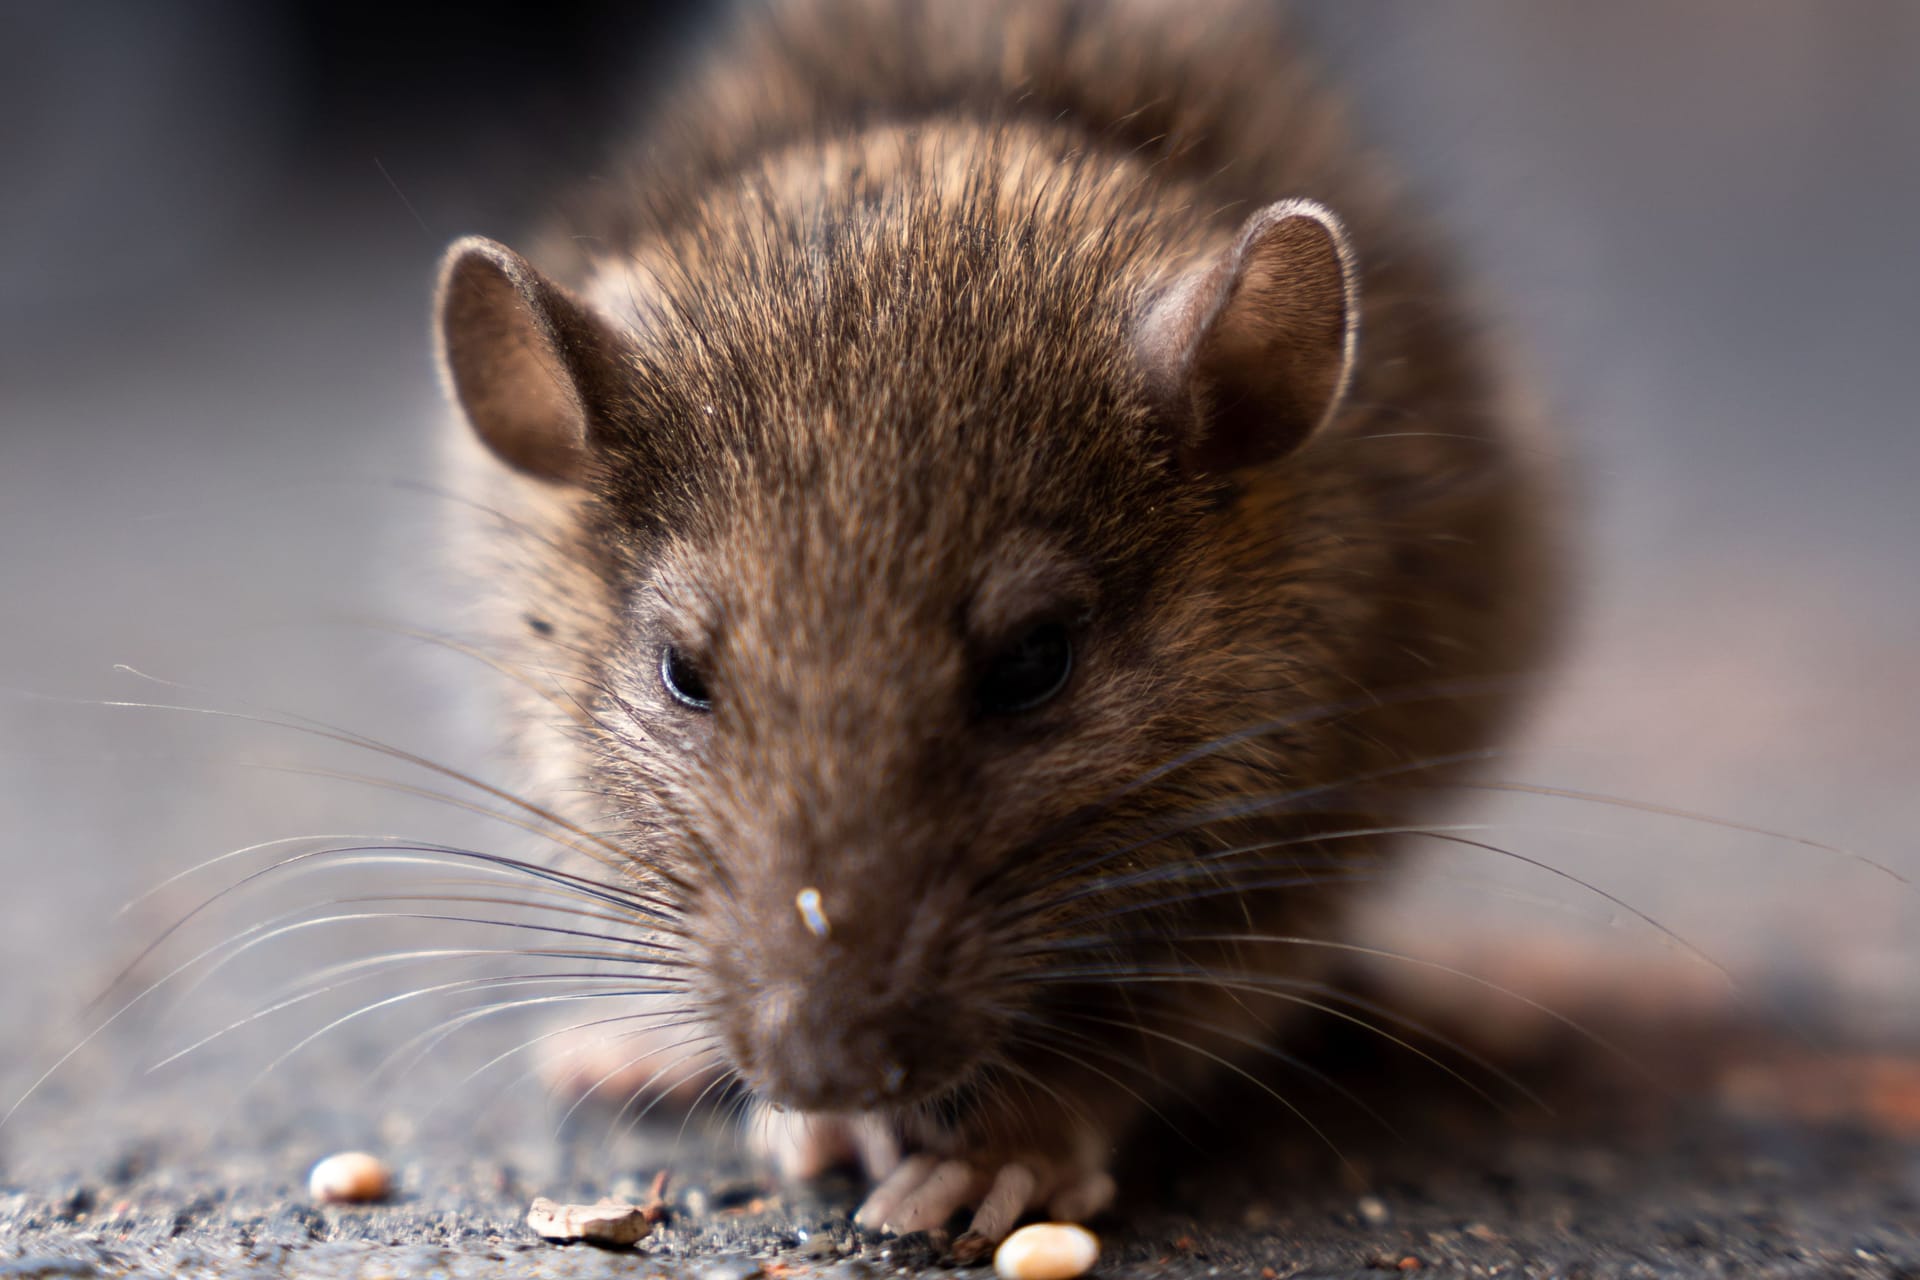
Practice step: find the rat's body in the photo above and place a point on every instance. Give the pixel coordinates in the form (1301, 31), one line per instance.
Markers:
(990, 567)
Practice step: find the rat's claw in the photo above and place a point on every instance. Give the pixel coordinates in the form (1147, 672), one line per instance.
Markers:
(905, 1179)
(951, 1186)
(1008, 1198)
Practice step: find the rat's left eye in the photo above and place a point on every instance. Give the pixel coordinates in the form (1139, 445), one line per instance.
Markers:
(1030, 671)
(685, 681)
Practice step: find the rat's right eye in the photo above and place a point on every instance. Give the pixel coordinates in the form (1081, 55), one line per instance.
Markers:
(684, 680)
(1028, 672)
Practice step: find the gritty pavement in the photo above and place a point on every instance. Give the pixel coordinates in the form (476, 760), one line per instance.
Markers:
(1738, 1162)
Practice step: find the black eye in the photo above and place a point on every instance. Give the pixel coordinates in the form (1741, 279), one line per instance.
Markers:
(684, 680)
(1027, 672)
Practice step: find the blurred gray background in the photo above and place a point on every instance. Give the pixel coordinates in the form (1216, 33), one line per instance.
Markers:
(1695, 221)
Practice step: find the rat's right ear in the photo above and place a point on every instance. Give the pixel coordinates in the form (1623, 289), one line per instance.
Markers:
(524, 359)
(1252, 353)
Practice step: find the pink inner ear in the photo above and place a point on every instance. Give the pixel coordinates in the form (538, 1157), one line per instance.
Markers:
(1253, 352)
(501, 327)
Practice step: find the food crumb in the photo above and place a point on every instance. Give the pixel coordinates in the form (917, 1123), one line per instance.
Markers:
(351, 1177)
(610, 1222)
(656, 1210)
(1047, 1251)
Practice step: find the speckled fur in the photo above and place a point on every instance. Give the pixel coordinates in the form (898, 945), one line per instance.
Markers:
(879, 269)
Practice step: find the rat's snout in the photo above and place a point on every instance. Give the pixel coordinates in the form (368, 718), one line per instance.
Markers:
(835, 1005)
(825, 1047)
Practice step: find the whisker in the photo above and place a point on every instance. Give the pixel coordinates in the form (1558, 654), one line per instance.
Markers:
(1267, 802)
(1686, 815)
(426, 1042)
(1380, 953)
(1244, 1074)
(1257, 1045)
(567, 1115)
(377, 965)
(293, 921)
(1449, 834)
(462, 984)
(1483, 686)
(1284, 989)
(573, 1027)
(430, 490)
(359, 839)
(467, 984)
(400, 853)
(680, 1135)
(1066, 1104)
(332, 733)
(1039, 1032)
(622, 1126)
(516, 672)
(165, 980)
(428, 793)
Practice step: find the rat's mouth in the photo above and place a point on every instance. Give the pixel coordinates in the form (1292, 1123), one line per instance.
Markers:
(812, 1050)
(802, 1077)
(946, 1106)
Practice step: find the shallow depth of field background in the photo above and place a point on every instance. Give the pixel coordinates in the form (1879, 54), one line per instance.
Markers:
(1696, 221)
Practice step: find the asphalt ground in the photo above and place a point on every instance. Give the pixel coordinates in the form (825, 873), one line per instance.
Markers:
(1715, 1151)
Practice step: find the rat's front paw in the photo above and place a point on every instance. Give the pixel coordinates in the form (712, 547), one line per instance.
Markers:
(923, 1191)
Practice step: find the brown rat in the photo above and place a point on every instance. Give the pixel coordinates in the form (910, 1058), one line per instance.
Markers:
(1002, 507)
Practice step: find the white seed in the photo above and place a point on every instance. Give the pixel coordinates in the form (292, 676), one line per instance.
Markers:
(352, 1177)
(609, 1222)
(1047, 1251)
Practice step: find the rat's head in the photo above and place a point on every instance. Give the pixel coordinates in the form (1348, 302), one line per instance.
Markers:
(898, 528)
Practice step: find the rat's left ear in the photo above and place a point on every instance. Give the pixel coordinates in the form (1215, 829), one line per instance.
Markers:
(530, 365)
(1252, 353)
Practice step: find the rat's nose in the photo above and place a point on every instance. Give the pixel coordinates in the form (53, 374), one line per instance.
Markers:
(828, 1049)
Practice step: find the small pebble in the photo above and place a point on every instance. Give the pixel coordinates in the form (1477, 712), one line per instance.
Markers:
(1373, 1211)
(611, 1222)
(1047, 1251)
(352, 1177)
(731, 1269)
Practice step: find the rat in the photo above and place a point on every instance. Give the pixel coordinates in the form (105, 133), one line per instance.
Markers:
(1003, 517)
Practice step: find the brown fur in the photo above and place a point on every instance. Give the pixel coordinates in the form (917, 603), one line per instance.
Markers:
(872, 397)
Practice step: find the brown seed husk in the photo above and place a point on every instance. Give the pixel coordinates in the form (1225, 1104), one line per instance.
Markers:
(610, 1222)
